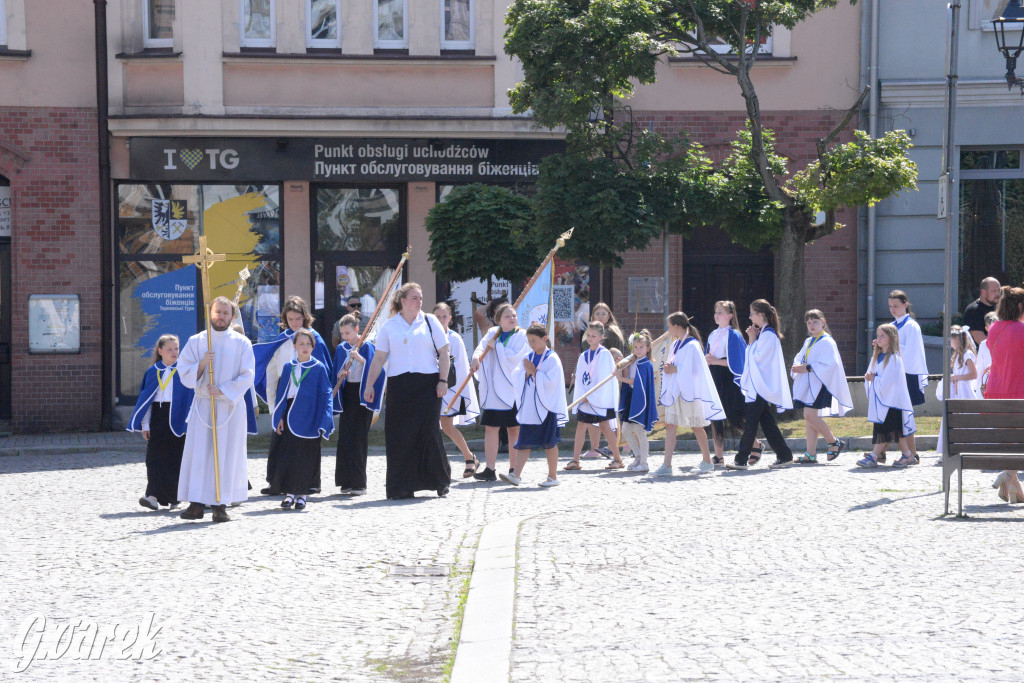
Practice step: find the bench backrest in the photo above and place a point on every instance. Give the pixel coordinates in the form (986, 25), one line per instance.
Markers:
(984, 426)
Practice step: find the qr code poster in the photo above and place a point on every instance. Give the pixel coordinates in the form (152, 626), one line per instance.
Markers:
(564, 303)
(170, 218)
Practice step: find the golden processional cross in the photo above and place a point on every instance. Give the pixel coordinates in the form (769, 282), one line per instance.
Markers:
(204, 260)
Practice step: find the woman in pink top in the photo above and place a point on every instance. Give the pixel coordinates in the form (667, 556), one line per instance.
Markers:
(1006, 378)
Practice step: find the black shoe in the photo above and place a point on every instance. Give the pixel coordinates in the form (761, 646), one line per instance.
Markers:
(736, 465)
(300, 503)
(270, 491)
(780, 463)
(220, 513)
(316, 490)
(287, 503)
(442, 493)
(486, 475)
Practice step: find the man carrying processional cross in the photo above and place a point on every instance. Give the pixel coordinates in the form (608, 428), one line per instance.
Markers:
(219, 365)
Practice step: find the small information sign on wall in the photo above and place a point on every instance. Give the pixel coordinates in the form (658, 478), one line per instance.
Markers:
(54, 325)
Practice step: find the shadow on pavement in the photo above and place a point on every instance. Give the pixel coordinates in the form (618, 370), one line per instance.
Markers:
(887, 501)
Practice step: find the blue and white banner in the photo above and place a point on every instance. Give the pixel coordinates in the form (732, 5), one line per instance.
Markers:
(536, 305)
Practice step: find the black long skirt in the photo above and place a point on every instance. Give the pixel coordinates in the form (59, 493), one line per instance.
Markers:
(731, 397)
(412, 435)
(353, 429)
(298, 461)
(163, 456)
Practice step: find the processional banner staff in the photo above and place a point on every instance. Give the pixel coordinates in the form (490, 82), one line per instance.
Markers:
(384, 300)
(204, 259)
(559, 243)
(618, 366)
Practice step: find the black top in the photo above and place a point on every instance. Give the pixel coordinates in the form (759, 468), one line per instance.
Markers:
(974, 315)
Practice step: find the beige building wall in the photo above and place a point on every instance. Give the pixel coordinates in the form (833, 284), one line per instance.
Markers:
(61, 71)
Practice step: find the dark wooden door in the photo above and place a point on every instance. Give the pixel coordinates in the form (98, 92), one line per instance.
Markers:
(5, 330)
(715, 269)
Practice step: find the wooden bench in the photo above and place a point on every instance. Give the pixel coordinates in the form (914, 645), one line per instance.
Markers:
(981, 435)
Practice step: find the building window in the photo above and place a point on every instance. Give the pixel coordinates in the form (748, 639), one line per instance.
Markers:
(991, 219)
(157, 293)
(360, 234)
(158, 23)
(3, 23)
(322, 20)
(389, 29)
(723, 48)
(257, 23)
(457, 20)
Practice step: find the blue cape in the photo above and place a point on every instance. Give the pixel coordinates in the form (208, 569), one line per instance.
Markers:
(736, 354)
(366, 351)
(310, 416)
(264, 352)
(639, 400)
(181, 400)
(250, 414)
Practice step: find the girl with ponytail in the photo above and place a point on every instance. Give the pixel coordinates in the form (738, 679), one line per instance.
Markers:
(765, 385)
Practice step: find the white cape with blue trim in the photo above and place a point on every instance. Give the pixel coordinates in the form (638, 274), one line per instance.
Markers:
(545, 394)
(826, 370)
(497, 392)
(889, 390)
(764, 373)
(692, 380)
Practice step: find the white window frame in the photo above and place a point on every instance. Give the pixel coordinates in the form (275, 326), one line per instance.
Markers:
(460, 44)
(764, 48)
(257, 42)
(148, 42)
(391, 44)
(3, 22)
(322, 42)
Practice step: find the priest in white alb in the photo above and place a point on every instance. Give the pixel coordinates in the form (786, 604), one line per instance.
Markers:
(234, 369)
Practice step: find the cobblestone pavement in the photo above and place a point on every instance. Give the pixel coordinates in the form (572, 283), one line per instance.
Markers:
(814, 572)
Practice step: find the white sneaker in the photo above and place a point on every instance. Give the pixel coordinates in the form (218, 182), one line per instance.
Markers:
(549, 482)
(643, 468)
(510, 478)
(703, 468)
(149, 502)
(633, 466)
(663, 471)
(357, 492)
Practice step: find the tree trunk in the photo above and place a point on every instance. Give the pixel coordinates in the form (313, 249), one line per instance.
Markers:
(790, 288)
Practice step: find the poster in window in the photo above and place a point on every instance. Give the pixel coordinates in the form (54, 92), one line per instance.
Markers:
(54, 325)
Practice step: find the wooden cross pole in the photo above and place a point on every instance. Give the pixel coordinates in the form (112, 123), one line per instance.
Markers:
(204, 260)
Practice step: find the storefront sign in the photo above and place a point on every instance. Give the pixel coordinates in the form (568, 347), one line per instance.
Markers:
(169, 303)
(5, 210)
(338, 159)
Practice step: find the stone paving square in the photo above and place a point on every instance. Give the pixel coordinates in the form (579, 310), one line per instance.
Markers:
(806, 573)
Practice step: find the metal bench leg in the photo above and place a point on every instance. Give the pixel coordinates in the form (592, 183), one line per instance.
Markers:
(960, 495)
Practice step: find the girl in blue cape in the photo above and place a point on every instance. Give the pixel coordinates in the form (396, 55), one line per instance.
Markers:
(638, 403)
(303, 415)
(726, 353)
(356, 414)
(160, 414)
(270, 361)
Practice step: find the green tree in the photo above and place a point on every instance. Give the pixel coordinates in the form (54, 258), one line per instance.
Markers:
(581, 57)
(480, 231)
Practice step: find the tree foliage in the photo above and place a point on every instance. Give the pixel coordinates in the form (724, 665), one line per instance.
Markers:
(480, 231)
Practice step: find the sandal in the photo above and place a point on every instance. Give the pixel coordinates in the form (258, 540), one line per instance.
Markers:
(718, 460)
(755, 455)
(808, 459)
(838, 445)
(471, 468)
(573, 465)
(615, 465)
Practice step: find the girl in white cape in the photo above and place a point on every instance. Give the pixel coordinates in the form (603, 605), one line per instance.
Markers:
(507, 344)
(467, 408)
(984, 357)
(912, 353)
(542, 409)
(819, 387)
(963, 373)
(688, 390)
(594, 364)
(765, 387)
(889, 406)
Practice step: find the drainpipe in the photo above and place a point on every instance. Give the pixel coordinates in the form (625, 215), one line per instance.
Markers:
(873, 131)
(106, 258)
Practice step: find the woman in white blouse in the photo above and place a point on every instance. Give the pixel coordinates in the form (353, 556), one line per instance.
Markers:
(415, 347)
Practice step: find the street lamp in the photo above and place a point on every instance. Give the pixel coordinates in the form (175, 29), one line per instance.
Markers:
(1010, 12)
